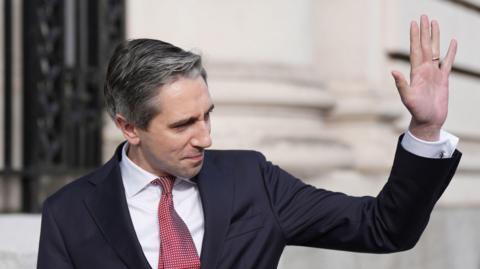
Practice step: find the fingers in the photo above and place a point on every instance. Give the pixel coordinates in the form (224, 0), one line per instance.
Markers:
(435, 43)
(415, 47)
(425, 38)
(450, 58)
(424, 42)
(400, 82)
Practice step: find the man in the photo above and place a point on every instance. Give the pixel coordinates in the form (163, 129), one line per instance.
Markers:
(163, 201)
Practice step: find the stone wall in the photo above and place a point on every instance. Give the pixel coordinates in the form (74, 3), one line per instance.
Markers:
(309, 77)
(296, 79)
(19, 235)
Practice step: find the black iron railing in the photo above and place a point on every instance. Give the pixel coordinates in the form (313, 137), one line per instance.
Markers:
(66, 45)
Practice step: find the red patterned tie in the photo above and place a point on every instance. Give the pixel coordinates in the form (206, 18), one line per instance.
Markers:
(176, 244)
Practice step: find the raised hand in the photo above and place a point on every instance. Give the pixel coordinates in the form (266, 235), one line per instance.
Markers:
(426, 97)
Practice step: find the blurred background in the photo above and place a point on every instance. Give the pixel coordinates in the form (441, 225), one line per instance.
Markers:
(306, 82)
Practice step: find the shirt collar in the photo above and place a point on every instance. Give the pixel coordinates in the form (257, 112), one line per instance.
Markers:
(135, 178)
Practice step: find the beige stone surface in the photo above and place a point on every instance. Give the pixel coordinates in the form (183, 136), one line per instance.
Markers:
(19, 235)
(455, 21)
(268, 31)
(348, 41)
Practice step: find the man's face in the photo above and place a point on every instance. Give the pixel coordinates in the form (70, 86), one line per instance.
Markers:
(176, 137)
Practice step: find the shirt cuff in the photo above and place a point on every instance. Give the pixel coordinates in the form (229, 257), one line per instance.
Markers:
(443, 148)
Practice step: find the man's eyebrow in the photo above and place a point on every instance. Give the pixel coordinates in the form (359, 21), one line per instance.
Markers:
(182, 122)
(188, 120)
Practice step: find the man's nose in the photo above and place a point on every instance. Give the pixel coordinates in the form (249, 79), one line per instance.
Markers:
(202, 137)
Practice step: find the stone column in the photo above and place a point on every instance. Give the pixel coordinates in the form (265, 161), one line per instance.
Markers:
(262, 76)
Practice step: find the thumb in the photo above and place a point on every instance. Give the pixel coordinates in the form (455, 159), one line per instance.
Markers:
(400, 82)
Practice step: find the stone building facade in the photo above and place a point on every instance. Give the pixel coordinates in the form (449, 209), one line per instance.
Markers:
(308, 84)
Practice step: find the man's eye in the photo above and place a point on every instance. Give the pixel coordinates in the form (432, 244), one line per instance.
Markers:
(182, 126)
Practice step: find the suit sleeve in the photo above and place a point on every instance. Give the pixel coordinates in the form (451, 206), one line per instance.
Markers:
(392, 221)
(52, 250)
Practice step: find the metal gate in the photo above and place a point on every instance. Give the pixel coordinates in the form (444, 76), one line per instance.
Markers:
(55, 54)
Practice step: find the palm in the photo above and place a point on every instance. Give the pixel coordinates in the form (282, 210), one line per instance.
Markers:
(429, 91)
(426, 97)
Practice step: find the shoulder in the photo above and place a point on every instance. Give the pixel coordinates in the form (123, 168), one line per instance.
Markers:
(236, 163)
(237, 156)
(78, 189)
(75, 191)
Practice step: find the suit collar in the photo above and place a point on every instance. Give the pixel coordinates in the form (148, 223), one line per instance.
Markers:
(135, 178)
(216, 191)
(105, 171)
(108, 207)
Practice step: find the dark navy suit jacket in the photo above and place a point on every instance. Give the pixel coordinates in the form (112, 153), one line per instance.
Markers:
(252, 210)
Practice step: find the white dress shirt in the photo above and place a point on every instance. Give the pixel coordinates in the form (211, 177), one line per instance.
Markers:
(143, 197)
(443, 148)
(142, 200)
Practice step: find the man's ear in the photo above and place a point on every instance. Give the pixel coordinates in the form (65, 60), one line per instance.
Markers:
(129, 131)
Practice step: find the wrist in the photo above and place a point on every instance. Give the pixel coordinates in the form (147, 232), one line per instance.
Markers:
(426, 132)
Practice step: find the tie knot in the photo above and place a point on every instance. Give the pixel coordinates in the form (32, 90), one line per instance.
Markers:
(166, 182)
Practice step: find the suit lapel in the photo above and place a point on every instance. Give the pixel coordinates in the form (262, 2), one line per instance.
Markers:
(107, 205)
(216, 191)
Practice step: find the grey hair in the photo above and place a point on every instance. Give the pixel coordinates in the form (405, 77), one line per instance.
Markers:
(136, 72)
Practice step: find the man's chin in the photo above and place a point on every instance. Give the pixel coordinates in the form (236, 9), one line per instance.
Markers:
(189, 172)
